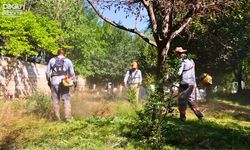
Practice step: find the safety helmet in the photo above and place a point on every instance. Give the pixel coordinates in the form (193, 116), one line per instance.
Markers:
(206, 79)
(67, 82)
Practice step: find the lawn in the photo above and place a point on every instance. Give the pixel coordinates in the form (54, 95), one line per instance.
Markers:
(109, 124)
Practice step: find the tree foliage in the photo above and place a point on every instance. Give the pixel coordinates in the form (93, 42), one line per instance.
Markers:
(221, 42)
(27, 33)
(167, 19)
(82, 31)
(121, 49)
(119, 52)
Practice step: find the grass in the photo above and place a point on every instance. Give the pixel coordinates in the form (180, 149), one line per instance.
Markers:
(104, 124)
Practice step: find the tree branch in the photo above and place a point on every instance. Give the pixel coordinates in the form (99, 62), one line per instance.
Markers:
(152, 18)
(135, 31)
(194, 8)
(184, 24)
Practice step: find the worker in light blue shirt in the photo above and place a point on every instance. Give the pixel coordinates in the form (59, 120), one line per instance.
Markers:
(187, 71)
(133, 79)
(187, 91)
(59, 74)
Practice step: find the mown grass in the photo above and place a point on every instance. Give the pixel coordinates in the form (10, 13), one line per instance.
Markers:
(105, 124)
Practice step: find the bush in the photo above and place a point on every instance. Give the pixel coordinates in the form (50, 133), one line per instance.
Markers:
(39, 104)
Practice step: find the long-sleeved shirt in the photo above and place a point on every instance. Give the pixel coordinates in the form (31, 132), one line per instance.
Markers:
(134, 77)
(67, 67)
(187, 71)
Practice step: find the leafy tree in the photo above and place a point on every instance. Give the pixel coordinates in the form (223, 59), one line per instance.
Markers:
(222, 43)
(120, 51)
(92, 44)
(26, 34)
(82, 31)
(166, 19)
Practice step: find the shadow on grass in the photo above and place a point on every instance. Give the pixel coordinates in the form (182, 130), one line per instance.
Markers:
(98, 132)
(196, 134)
(193, 135)
(243, 97)
(221, 110)
(10, 141)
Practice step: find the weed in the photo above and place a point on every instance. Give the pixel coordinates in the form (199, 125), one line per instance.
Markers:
(132, 95)
(1, 103)
(126, 130)
(39, 104)
(16, 105)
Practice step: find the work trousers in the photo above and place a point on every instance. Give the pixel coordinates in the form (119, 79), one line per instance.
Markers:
(187, 97)
(61, 92)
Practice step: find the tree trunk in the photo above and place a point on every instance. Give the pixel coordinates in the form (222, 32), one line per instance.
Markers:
(162, 51)
(162, 54)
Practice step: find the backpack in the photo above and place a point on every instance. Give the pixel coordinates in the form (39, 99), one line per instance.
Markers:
(57, 68)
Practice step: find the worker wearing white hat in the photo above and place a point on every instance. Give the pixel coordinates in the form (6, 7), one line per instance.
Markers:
(133, 79)
(187, 85)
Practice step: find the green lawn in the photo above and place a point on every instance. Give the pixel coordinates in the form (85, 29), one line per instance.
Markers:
(110, 126)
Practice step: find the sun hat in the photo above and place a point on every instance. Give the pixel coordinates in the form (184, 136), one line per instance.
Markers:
(134, 64)
(180, 50)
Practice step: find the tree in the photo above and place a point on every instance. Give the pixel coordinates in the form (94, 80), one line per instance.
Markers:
(222, 43)
(82, 30)
(119, 53)
(27, 34)
(167, 19)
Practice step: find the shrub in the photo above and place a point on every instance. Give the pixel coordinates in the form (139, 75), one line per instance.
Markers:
(39, 104)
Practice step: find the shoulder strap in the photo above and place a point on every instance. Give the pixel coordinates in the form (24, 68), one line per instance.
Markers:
(53, 66)
(135, 73)
(56, 70)
(190, 67)
(130, 72)
(131, 78)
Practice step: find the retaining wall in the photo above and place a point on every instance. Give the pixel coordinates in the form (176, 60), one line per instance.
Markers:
(20, 78)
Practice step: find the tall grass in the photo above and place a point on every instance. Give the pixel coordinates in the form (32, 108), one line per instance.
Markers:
(117, 129)
(40, 105)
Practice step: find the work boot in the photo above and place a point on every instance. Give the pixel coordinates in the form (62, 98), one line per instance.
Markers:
(69, 120)
(56, 117)
(202, 119)
(183, 119)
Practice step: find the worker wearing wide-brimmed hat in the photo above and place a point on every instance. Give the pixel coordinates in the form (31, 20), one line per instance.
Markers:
(133, 79)
(187, 85)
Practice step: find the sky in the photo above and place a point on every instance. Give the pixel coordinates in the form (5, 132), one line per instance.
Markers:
(127, 22)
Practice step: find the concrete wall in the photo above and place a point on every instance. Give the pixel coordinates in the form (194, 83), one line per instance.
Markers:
(20, 78)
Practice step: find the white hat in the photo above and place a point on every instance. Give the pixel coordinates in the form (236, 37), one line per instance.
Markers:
(134, 64)
(179, 50)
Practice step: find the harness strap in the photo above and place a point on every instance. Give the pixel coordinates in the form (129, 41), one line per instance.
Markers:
(130, 75)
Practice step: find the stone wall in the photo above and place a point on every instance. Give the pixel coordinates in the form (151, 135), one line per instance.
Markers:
(20, 78)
